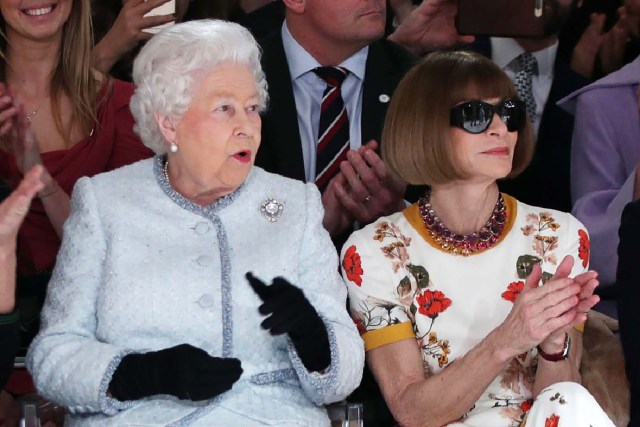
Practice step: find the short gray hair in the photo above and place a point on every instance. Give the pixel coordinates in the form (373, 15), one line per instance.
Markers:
(169, 67)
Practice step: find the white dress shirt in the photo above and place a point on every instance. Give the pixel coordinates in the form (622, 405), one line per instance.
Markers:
(308, 89)
(505, 50)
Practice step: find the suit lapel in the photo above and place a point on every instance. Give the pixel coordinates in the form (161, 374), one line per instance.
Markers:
(281, 150)
(380, 81)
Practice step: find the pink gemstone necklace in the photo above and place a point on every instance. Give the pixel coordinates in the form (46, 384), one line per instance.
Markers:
(461, 244)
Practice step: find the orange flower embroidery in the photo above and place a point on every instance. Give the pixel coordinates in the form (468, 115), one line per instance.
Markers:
(432, 303)
(352, 265)
(552, 421)
(585, 246)
(513, 290)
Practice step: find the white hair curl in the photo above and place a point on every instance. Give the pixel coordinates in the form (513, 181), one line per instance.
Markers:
(169, 67)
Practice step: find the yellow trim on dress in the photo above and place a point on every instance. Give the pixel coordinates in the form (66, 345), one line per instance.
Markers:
(412, 213)
(387, 335)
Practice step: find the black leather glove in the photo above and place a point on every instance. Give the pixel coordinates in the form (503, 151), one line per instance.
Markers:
(184, 371)
(292, 313)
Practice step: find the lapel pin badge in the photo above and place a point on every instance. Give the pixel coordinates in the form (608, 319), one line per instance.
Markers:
(384, 98)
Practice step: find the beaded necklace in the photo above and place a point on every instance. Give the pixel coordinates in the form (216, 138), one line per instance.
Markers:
(461, 244)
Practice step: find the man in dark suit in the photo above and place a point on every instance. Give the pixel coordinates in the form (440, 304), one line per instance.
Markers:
(345, 33)
(546, 181)
(349, 34)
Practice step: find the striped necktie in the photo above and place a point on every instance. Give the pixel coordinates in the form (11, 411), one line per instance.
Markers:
(333, 132)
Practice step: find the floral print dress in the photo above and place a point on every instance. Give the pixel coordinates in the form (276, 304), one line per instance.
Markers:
(402, 284)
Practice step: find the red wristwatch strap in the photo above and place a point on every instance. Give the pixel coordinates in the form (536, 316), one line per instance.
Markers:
(556, 357)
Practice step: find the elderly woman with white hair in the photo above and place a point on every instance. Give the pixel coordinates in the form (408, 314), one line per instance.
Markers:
(157, 313)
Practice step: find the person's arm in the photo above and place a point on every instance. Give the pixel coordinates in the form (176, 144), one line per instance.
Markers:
(127, 31)
(20, 139)
(12, 212)
(416, 400)
(577, 246)
(601, 182)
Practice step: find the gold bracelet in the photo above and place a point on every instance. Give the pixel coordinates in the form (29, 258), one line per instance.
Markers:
(42, 196)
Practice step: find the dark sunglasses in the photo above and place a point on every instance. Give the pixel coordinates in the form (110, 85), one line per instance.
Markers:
(476, 116)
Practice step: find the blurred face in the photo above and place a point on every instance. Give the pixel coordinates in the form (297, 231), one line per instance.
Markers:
(347, 21)
(219, 135)
(486, 156)
(35, 19)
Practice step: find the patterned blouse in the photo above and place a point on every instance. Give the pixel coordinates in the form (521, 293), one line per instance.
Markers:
(402, 284)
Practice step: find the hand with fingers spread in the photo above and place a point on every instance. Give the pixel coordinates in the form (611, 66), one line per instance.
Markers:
(127, 31)
(429, 27)
(291, 313)
(183, 371)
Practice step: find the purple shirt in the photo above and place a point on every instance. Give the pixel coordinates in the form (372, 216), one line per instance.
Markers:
(604, 155)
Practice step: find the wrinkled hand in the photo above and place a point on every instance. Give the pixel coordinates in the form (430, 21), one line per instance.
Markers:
(183, 371)
(586, 300)
(540, 311)
(291, 313)
(15, 207)
(430, 27)
(371, 191)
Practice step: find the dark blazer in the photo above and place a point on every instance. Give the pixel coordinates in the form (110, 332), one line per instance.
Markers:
(546, 181)
(628, 282)
(281, 148)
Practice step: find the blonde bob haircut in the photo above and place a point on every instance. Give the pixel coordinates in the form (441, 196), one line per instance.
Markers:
(417, 138)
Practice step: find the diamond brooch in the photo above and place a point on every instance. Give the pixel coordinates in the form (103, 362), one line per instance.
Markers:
(271, 209)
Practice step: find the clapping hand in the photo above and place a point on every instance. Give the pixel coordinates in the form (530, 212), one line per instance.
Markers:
(291, 313)
(16, 132)
(183, 371)
(544, 313)
(363, 191)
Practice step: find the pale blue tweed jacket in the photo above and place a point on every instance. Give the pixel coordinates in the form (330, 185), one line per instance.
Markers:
(141, 268)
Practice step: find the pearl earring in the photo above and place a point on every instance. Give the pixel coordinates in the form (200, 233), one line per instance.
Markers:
(173, 147)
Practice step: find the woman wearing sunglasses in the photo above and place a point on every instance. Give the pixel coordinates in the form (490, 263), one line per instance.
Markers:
(448, 294)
